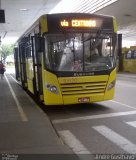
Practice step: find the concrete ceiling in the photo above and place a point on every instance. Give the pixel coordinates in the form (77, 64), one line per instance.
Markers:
(17, 21)
(125, 13)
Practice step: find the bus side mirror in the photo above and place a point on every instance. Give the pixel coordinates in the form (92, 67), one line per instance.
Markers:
(39, 44)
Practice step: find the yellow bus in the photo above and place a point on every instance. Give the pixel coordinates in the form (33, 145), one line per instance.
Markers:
(68, 58)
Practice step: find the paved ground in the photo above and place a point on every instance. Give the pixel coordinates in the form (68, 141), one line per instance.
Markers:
(25, 129)
(101, 128)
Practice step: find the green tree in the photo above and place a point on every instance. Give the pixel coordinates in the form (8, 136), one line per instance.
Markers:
(6, 50)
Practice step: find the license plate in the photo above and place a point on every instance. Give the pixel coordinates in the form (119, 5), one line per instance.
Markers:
(84, 99)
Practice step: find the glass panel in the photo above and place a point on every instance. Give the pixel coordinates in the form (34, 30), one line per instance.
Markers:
(80, 52)
(98, 53)
(65, 52)
(134, 54)
(129, 55)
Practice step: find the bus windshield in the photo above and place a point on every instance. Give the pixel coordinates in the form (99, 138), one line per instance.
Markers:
(80, 52)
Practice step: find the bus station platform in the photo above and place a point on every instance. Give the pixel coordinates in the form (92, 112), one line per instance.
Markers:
(24, 127)
(126, 75)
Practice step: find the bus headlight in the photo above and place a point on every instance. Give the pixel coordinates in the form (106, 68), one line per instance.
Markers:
(111, 85)
(52, 88)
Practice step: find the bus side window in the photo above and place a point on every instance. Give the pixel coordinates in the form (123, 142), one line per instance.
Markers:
(128, 55)
(134, 54)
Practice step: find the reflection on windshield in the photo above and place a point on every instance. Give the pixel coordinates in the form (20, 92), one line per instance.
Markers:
(79, 52)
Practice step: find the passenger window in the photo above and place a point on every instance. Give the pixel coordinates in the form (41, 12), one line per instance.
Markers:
(134, 56)
(128, 55)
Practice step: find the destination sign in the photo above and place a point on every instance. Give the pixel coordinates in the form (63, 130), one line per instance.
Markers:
(78, 23)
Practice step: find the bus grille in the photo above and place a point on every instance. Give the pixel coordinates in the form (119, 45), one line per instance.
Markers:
(83, 88)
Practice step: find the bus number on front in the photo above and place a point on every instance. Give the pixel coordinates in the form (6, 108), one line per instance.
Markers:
(70, 80)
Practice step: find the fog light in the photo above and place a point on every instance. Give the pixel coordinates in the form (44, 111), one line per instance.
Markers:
(111, 85)
(52, 88)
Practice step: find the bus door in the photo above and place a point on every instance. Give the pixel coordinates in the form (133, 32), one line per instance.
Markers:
(16, 59)
(37, 67)
(22, 58)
